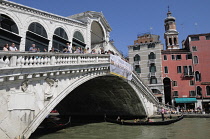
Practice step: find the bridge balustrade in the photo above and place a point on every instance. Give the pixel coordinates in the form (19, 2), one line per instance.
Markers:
(27, 59)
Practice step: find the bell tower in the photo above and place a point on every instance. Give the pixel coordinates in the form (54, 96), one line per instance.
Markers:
(171, 34)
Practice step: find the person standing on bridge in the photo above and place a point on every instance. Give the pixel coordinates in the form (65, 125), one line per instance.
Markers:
(69, 47)
(33, 48)
(162, 114)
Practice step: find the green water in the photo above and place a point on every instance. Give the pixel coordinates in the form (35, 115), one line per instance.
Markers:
(188, 128)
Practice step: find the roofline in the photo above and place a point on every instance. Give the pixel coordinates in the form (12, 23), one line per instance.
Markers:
(39, 12)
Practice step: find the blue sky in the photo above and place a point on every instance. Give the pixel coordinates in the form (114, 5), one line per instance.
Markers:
(128, 18)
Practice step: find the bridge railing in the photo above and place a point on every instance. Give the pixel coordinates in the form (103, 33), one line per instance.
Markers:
(148, 91)
(27, 59)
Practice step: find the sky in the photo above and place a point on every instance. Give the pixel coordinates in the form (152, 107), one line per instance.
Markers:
(128, 18)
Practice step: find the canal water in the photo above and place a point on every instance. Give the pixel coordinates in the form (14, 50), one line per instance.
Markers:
(188, 128)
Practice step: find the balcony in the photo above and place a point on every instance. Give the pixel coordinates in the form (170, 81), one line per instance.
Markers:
(136, 63)
(151, 61)
(191, 74)
(152, 74)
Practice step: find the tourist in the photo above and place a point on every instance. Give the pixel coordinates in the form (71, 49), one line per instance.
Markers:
(13, 48)
(162, 113)
(6, 47)
(78, 50)
(93, 51)
(52, 49)
(69, 47)
(102, 51)
(33, 48)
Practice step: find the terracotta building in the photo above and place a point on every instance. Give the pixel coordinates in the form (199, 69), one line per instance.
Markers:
(199, 45)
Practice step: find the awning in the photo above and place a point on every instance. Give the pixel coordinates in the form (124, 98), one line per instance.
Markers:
(185, 100)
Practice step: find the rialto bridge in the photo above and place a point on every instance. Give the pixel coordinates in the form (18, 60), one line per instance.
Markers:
(33, 84)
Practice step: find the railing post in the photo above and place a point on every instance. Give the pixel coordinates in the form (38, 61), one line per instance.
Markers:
(79, 60)
(97, 59)
(52, 60)
(13, 61)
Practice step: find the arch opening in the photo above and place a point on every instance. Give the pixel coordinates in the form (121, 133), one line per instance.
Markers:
(36, 34)
(8, 31)
(102, 96)
(97, 36)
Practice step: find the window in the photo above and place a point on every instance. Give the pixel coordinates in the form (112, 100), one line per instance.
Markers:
(153, 80)
(178, 57)
(207, 37)
(151, 45)
(137, 69)
(152, 56)
(174, 83)
(185, 70)
(190, 70)
(166, 69)
(175, 41)
(199, 91)
(175, 94)
(194, 48)
(165, 57)
(136, 47)
(192, 93)
(195, 38)
(170, 41)
(189, 56)
(172, 57)
(208, 90)
(152, 68)
(179, 69)
(192, 82)
(195, 59)
(197, 76)
(137, 58)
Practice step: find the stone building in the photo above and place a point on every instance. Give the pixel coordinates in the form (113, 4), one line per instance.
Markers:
(145, 56)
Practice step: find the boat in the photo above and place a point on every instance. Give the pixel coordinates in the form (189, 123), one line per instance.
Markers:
(50, 125)
(124, 122)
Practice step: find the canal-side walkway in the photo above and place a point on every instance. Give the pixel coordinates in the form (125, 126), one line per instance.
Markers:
(185, 116)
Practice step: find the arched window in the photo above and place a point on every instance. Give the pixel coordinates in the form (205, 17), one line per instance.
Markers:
(175, 41)
(36, 34)
(152, 56)
(78, 40)
(199, 91)
(8, 31)
(208, 90)
(136, 58)
(170, 41)
(197, 76)
(152, 68)
(195, 59)
(60, 39)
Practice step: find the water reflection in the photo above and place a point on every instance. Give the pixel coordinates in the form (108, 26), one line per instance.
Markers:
(188, 128)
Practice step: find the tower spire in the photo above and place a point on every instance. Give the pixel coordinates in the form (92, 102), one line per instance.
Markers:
(171, 34)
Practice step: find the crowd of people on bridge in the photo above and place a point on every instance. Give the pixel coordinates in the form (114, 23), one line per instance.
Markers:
(67, 49)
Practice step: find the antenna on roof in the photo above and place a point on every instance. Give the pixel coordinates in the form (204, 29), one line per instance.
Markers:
(168, 8)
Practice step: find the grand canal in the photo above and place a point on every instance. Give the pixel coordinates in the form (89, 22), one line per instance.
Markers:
(188, 128)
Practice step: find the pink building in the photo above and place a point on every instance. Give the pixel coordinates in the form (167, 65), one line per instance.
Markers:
(185, 73)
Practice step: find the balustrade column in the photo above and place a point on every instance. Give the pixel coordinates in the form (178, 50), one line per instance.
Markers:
(13, 61)
(79, 60)
(52, 60)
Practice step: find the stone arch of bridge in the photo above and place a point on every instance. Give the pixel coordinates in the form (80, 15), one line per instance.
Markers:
(99, 95)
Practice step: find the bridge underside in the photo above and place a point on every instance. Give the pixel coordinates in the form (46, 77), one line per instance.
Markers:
(108, 95)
